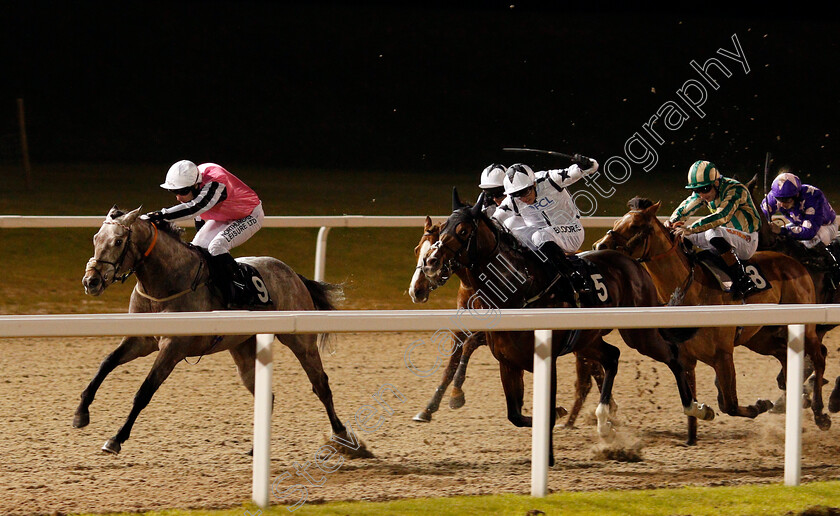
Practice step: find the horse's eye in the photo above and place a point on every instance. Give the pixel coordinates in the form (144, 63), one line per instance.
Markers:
(119, 241)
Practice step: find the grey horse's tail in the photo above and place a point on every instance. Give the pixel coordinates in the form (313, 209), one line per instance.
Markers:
(324, 296)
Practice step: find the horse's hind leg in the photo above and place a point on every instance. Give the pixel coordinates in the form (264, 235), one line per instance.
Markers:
(305, 349)
(834, 399)
(514, 387)
(475, 341)
(129, 349)
(425, 415)
(169, 356)
(586, 370)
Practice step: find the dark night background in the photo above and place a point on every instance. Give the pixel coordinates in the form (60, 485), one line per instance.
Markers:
(428, 88)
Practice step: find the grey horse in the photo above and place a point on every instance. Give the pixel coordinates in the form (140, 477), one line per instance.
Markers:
(172, 276)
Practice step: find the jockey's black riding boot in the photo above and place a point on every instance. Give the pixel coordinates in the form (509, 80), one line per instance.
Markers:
(742, 285)
(229, 280)
(558, 258)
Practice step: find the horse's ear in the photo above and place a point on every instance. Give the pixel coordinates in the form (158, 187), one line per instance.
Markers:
(456, 201)
(476, 209)
(131, 216)
(651, 210)
(113, 211)
(428, 226)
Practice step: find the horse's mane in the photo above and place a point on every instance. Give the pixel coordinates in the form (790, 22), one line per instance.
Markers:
(165, 226)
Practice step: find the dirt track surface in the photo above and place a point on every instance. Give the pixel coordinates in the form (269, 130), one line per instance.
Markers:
(188, 447)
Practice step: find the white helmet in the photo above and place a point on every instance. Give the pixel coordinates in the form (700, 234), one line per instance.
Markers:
(182, 174)
(493, 176)
(519, 177)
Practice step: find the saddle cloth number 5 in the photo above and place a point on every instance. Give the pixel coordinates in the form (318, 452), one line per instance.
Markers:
(600, 288)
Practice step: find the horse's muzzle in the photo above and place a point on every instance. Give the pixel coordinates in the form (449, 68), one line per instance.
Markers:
(93, 282)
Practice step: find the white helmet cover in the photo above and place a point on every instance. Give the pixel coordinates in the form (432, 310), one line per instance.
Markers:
(182, 174)
(493, 176)
(518, 177)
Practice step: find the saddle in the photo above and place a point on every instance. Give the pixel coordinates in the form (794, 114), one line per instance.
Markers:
(714, 265)
(568, 289)
(247, 288)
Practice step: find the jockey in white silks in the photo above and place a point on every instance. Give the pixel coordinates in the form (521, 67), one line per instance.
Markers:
(549, 221)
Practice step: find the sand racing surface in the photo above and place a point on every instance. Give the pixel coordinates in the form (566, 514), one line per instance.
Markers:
(188, 448)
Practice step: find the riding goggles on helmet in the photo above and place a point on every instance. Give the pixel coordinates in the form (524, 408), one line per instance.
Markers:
(703, 189)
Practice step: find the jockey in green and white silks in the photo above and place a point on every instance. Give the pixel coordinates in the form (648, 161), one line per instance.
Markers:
(731, 230)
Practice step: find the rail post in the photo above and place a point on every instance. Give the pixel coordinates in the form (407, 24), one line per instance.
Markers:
(540, 430)
(321, 253)
(262, 421)
(793, 404)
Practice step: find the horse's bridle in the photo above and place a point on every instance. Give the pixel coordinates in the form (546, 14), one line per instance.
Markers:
(118, 263)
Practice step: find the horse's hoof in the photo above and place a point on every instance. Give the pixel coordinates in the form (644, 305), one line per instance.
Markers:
(81, 420)
(763, 406)
(111, 446)
(522, 422)
(607, 433)
(691, 442)
(457, 400)
(424, 416)
(707, 414)
(823, 421)
(560, 411)
(250, 452)
(834, 399)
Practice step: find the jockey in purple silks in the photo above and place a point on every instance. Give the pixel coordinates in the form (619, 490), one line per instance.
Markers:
(812, 221)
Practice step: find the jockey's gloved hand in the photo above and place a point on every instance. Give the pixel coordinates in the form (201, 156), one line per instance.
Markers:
(582, 161)
(154, 216)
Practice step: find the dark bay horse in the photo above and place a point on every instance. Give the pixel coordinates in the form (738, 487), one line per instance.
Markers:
(456, 369)
(483, 255)
(641, 235)
(173, 277)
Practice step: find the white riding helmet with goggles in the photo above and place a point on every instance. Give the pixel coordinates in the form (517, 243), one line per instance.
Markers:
(519, 177)
(493, 176)
(182, 174)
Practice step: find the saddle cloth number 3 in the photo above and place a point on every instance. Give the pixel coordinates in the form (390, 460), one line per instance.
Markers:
(755, 276)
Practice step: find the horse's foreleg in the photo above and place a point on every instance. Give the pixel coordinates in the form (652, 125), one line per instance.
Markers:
(834, 399)
(727, 389)
(817, 352)
(425, 415)
(245, 357)
(609, 361)
(514, 387)
(476, 340)
(129, 349)
(169, 356)
(690, 365)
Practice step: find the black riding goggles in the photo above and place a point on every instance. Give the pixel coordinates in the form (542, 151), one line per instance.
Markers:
(785, 199)
(495, 193)
(182, 191)
(522, 193)
(703, 189)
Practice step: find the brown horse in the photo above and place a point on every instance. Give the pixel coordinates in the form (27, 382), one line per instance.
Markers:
(172, 276)
(643, 237)
(455, 372)
(484, 256)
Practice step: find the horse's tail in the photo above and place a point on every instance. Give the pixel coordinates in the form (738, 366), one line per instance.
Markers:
(677, 335)
(324, 296)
